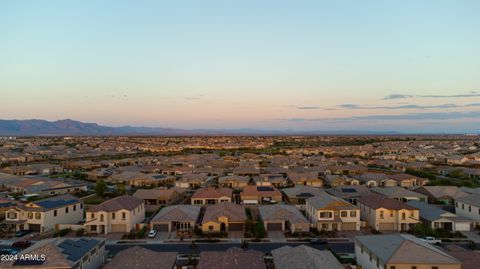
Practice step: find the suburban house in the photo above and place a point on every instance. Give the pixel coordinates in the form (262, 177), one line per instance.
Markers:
(349, 193)
(232, 258)
(302, 256)
(233, 181)
(276, 180)
(384, 214)
(406, 180)
(299, 194)
(400, 251)
(376, 180)
(137, 257)
(329, 213)
(252, 195)
(224, 217)
(176, 218)
(469, 207)
(400, 194)
(437, 218)
(44, 215)
(306, 179)
(441, 194)
(339, 180)
(211, 195)
(154, 198)
(62, 253)
(148, 180)
(117, 215)
(282, 217)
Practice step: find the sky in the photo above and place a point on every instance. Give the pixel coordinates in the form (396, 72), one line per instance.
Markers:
(409, 66)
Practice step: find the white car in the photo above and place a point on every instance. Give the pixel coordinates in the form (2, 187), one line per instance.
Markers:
(152, 234)
(431, 240)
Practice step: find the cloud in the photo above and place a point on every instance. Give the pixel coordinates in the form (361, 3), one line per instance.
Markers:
(408, 116)
(397, 96)
(408, 106)
(308, 107)
(405, 96)
(191, 98)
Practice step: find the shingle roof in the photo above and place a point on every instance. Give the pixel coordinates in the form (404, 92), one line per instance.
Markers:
(375, 201)
(121, 202)
(281, 212)
(404, 248)
(302, 256)
(234, 212)
(324, 201)
(472, 199)
(233, 258)
(177, 213)
(138, 258)
(211, 192)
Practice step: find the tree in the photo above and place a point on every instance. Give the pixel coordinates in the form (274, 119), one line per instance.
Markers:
(121, 189)
(100, 187)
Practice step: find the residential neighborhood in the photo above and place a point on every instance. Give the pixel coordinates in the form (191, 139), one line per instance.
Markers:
(136, 202)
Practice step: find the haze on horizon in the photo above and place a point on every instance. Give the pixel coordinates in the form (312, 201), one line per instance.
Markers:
(407, 66)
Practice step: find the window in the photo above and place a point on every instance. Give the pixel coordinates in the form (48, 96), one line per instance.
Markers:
(124, 215)
(74, 207)
(38, 215)
(81, 206)
(101, 217)
(113, 215)
(12, 215)
(92, 215)
(404, 216)
(391, 214)
(434, 267)
(325, 215)
(66, 209)
(412, 213)
(414, 267)
(353, 214)
(463, 206)
(343, 214)
(393, 267)
(469, 209)
(381, 214)
(54, 213)
(30, 215)
(456, 204)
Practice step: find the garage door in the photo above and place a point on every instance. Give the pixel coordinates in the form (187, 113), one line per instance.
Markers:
(386, 226)
(34, 227)
(274, 226)
(235, 226)
(119, 228)
(161, 227)
(349, 226)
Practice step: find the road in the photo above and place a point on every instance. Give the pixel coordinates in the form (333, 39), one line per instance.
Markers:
(184, 248)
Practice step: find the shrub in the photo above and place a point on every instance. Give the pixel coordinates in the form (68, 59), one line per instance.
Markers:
(62, 232)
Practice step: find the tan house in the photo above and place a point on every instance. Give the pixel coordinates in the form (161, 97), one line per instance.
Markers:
(211, 196)
(154, 198)
(120, 215)
(329, 213)
(44, 215)
(384, 214)
(224, 217)
(176, 218)
(406, 180)
(281, 217)
(400, 251)
(306, 179)
(252, 195)
(276, 180)
(233, 181)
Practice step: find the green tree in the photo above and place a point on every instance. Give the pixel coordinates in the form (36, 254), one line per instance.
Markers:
(121, 189)
(100, 187)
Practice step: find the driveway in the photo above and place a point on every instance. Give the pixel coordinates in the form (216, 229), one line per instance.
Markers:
(472, 235)
(277, 236)
(162, 236)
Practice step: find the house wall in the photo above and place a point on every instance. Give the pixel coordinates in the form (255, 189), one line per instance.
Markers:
(132, 217)
(467, 211)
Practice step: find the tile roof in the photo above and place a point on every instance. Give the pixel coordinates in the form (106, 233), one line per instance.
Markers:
(375, 201)
(302, 256)
(211, 192)
(326, 201)
(139, 258)
(233, 258)
(177, 213)
(280, 212)
(121, 202)
(234, 212)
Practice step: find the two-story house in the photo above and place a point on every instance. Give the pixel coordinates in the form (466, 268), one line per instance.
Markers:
(469, 207)
(384, 214)
(43, 215)
(330, 213)
(120, 214)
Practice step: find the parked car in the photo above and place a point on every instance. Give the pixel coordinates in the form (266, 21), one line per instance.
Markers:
(318, 241)
(22, 233)
(152, 233)
(21, 244)
(431, 240)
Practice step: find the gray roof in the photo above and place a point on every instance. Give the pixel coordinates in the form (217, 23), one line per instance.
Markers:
(302, 191)
(429, 212)
(398, 192)
(325, 200)
(177, 213)
(302, 257)
(472, 199)
(281, 212)
(404, 248)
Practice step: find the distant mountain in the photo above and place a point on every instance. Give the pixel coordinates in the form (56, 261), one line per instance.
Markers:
(70, 127)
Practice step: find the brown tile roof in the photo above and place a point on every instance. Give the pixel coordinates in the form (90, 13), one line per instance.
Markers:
(233, 258)
(139, 258)
(121, 202)
(156, 193)
(234, 212)
(212, 192)
(379, 201)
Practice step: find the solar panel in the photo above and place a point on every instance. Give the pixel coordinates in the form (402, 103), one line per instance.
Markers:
(76, 249)
(349, 190)
(305, 194)
(55, 203)
(264, 188)
(28, 262)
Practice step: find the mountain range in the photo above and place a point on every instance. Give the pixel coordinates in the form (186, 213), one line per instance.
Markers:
(68, 127)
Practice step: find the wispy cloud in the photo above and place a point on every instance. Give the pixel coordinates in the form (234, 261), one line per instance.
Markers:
(191, 98)
(408, 106)
(407, 116)
(308, 107)
(406, 96)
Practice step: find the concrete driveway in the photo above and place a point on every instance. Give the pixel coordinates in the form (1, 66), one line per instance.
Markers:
(277, 236)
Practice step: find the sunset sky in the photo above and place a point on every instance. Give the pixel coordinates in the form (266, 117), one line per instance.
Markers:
(410, 66)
